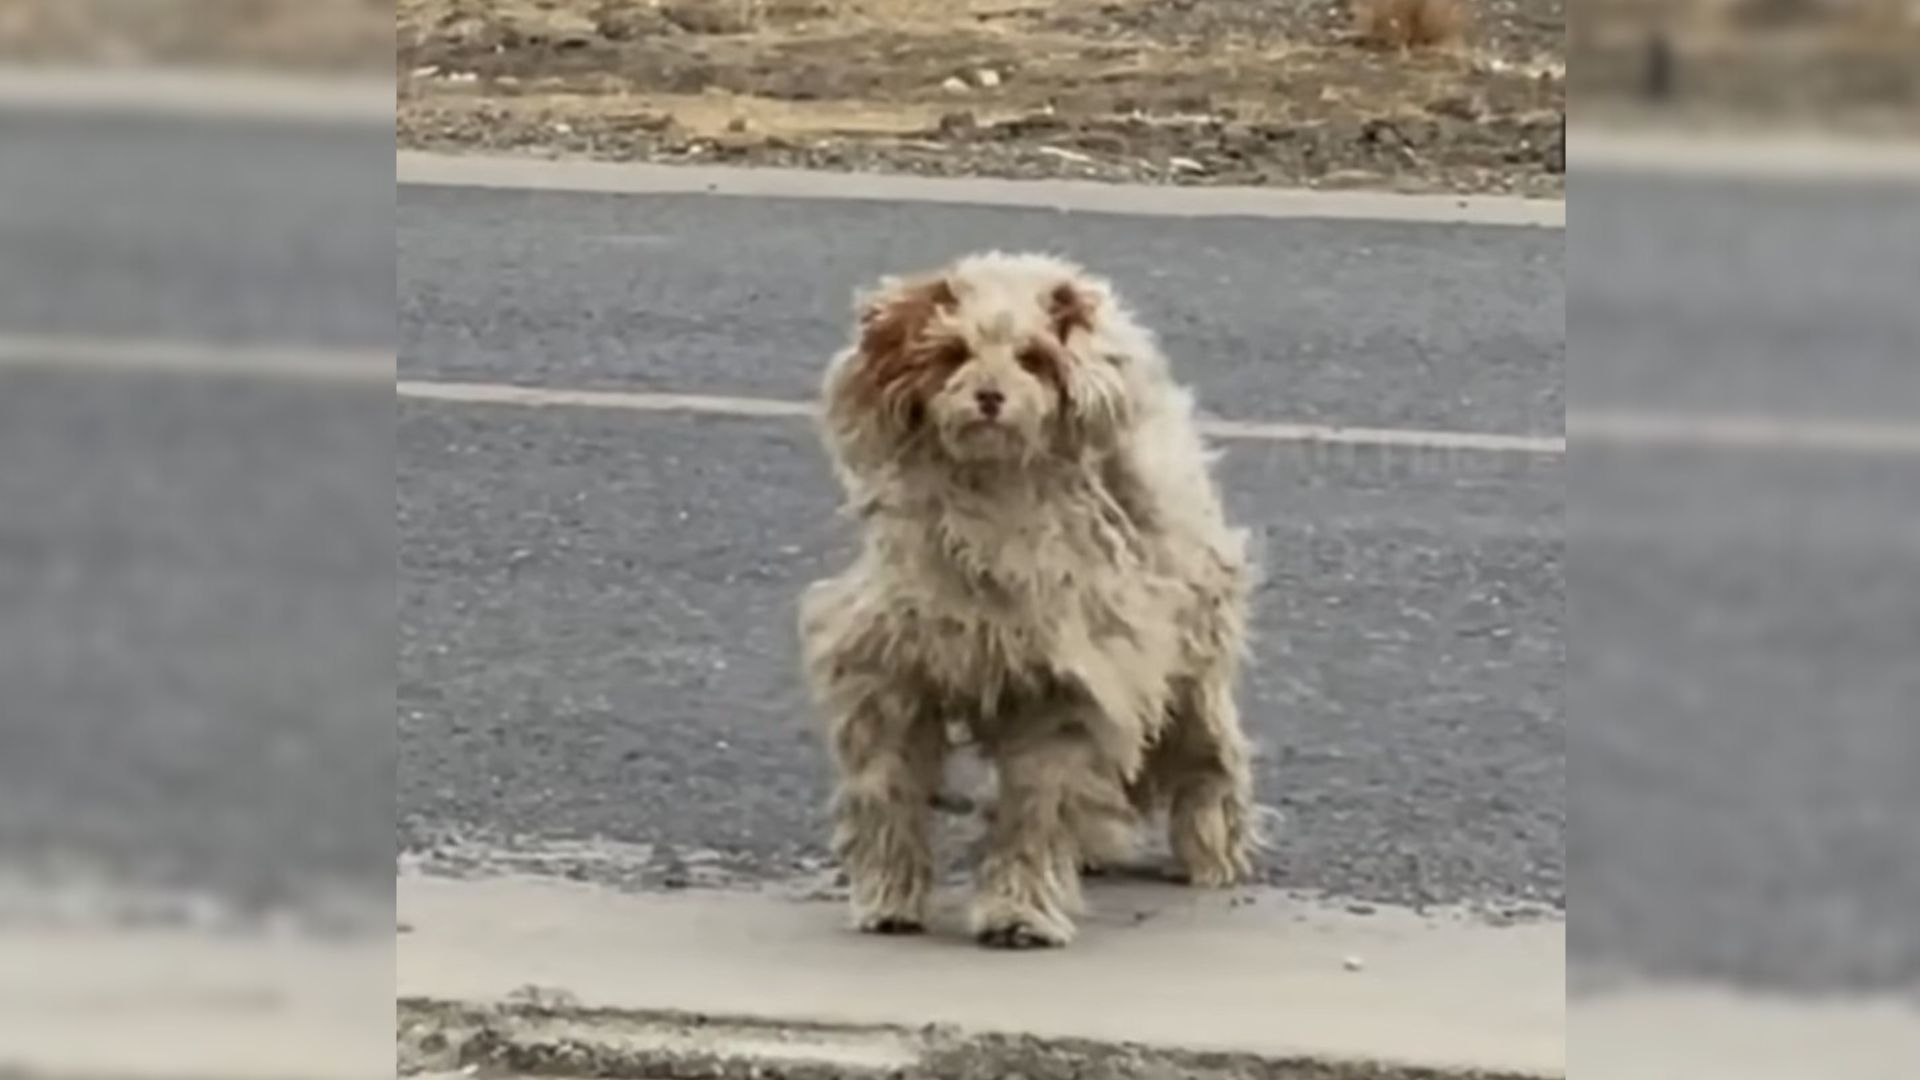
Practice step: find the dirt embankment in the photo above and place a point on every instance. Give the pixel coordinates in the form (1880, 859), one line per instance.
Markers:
(1173, 91)
(1852, 65)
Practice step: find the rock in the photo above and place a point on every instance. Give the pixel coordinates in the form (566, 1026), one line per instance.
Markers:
(705, 17)
(1380, 132)
(1354, 963)
(653, 122)
(955, 85)
(1186, 166)
(1104, 142)
(737, 124)
(1349, 178)
(1458, 106)
(958, 123)
(1064, 154)
(629, 22)
(986, 78)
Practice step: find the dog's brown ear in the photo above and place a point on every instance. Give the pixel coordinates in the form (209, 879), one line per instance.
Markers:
(874, 390)
(1070, 306)
(891, 322)
(891, 318)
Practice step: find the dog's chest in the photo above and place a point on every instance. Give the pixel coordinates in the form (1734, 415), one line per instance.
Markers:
(988, 600)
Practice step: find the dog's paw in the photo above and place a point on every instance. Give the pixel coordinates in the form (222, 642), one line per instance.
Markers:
(1019, 935)
(1218, 873)
(891, 925)
(1007, 926)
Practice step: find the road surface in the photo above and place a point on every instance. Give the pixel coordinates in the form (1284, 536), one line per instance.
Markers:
(597, 631)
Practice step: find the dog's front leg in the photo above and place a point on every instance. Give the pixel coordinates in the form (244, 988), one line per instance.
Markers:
(1203, 764)
(889, 752)
(1029, 880)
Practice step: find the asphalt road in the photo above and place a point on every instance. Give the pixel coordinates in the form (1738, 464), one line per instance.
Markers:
(196, 575)
(597, 629)
(1742, 694)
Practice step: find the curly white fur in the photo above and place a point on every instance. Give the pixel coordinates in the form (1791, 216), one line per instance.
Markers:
(1045, 560)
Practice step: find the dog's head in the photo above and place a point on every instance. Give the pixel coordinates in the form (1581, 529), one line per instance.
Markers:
(996, 359)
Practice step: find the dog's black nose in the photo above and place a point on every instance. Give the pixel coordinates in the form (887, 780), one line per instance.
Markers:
(990, 402)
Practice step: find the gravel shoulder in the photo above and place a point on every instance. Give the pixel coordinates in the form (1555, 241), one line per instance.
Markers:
(1203, 92)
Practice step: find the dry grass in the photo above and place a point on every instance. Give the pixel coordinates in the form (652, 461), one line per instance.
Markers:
(1409, 24)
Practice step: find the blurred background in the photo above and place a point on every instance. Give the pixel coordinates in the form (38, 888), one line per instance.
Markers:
(196, 539)
(1744, 520)
(1830, 64)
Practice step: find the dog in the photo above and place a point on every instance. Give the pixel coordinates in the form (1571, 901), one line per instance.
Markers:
(1045, 560)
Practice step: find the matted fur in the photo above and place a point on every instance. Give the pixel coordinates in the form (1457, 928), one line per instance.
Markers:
(1045, 559)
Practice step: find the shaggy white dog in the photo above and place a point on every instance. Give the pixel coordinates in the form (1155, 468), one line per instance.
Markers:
(1046, 561)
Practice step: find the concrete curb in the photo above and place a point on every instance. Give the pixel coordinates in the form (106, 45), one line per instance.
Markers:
(1804, 156)
(546, 977)
(554, 1040)
(105, 1002)
(415, 167)
(192, 92)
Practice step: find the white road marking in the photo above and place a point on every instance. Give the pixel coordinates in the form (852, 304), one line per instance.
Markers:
(1415, 439)
(623, 400)
(1620, 427)
(186, 92)
(1743, 432)
(640, 178)
(725, 405)
(54, 352)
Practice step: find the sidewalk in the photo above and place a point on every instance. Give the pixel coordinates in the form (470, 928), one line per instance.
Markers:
(562, 979)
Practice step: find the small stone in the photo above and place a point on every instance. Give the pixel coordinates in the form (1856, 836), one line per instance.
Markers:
(1354, 963)
(563, 128)
(958, 123)
(738, 123)
(462, 77)
(1074, 156)
(1187, 166)
(986, 78)
(955, 85)
(427, 72)
(1457, 106)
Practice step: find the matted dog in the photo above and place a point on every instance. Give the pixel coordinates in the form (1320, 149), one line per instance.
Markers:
(1044, 560)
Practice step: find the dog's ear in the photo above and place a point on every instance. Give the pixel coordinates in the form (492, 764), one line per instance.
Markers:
(1070, 307)
(874, 389)
(894, 316)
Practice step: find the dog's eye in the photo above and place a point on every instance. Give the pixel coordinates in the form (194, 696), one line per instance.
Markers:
(951, 355)
(1036, 360)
